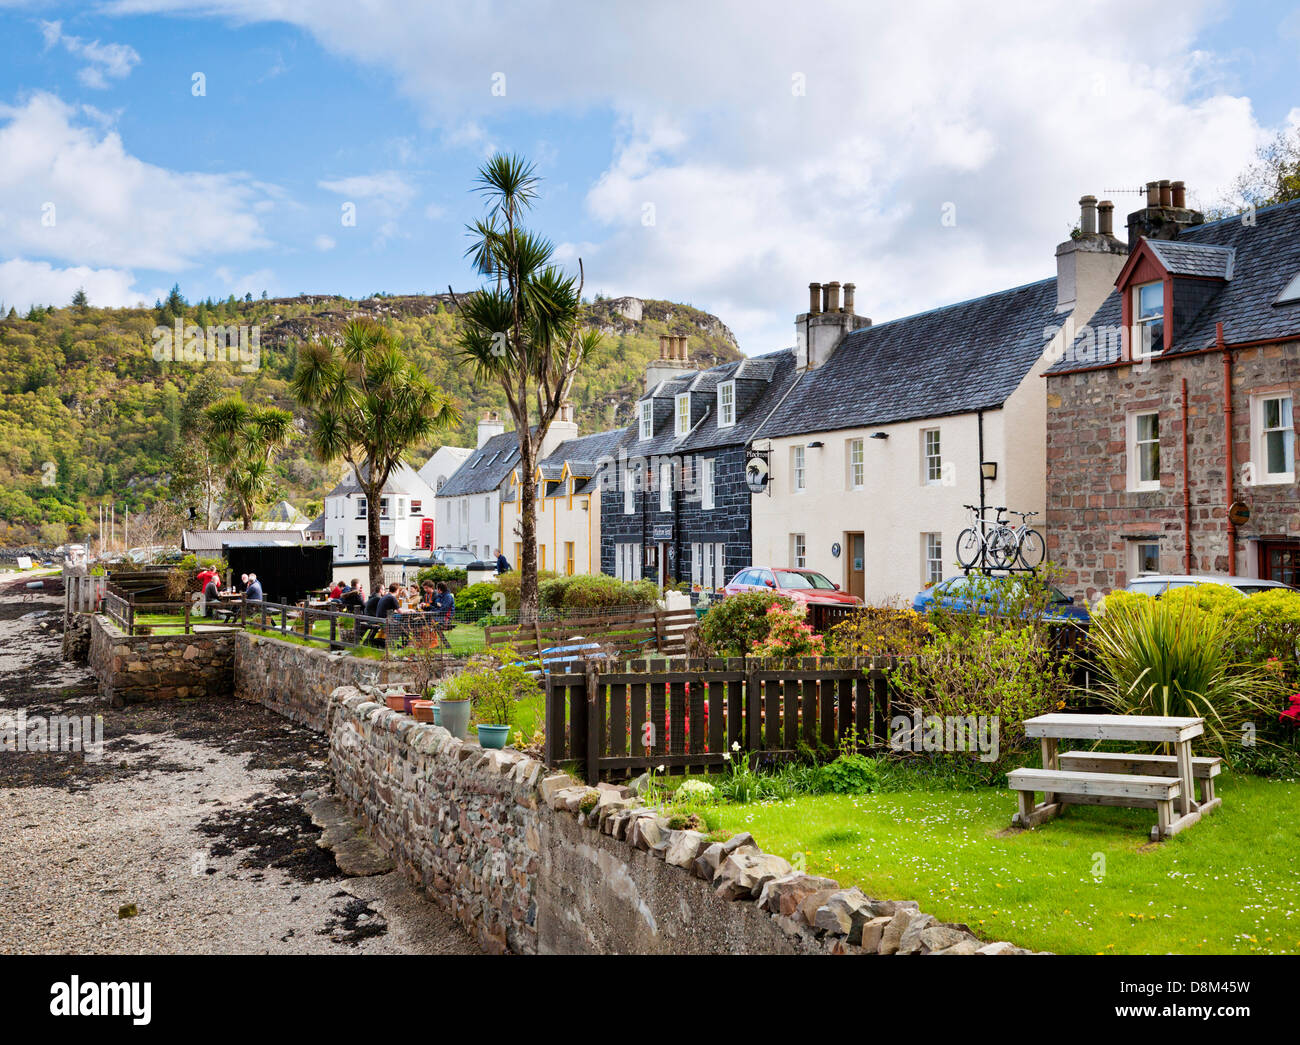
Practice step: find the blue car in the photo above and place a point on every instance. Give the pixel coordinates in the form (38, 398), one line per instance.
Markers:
(962, 593)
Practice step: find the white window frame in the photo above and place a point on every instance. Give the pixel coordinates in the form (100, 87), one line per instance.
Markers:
(417, 507)
(1141, 324)
(665, 486)
(798, 469)
(682, 413)
(361, 507)
(799, 551)
(1134, 563)
(647, 428)
(726, 404)
(1260, 433)
(856, 457)
(629, 490)
(383, 507)
(706, 484)
(363, 545)
(1136, 483)
(627, 561)
(932, 564)
(487, 508)
(931, 457)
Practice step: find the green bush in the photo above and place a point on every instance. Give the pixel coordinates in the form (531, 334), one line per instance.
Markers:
(508, 585)
(879, 631)
(451, 576)
(732, 626)
(850, 774)
(476, 601)
(594, 592)
(494, 684)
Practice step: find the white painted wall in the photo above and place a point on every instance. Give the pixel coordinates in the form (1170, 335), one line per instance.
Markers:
(471, 521)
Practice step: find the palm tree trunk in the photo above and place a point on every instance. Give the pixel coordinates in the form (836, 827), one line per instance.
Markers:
(528, 535)
(373, 550)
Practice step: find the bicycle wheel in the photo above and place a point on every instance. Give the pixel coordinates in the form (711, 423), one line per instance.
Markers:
(1032, 548)
(1002, 547)
(969, 546)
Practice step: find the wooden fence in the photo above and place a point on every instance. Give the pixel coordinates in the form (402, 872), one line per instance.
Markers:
(627, 633)
(619, 723)
(82, 592)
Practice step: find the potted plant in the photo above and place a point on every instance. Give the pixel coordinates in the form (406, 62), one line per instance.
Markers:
(490, 686)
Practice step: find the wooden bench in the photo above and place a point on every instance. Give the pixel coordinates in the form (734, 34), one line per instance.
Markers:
(1071, 787)
(1204, 769)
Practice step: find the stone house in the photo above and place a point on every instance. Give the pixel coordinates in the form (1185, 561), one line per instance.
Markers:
(675, 504)
(1170, 432)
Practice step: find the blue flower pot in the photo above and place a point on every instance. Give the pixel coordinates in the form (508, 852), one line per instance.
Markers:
(437, 713)
(493, 736)
(455, 717)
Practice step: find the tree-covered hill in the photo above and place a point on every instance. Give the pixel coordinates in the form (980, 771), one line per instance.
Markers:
(88, 415)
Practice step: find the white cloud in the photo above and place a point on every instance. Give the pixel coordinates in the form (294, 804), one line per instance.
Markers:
(324, 242)
(784, 143)
(25, 283)
(71, 192)
(104, 61)
(384, 196)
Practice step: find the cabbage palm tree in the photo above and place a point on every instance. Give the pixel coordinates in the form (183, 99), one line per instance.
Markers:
(368, 404)
(243, 441)
(523, 331)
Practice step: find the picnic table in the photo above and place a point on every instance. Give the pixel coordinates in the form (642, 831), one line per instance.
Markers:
(1164, 782)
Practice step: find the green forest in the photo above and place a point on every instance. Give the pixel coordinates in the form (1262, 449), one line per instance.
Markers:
(89, 416)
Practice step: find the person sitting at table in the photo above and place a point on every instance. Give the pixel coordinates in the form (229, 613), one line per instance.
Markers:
(427, 595)
(444, 604)
(243, 583)
(253, 593)
(389, 602)
(206, 575)
(351, 598)
(211, 596)
(336, 591)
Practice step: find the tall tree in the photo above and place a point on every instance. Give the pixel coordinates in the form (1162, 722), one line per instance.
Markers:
(368, 404)
(244, 440)
(1273, 177)
(524, 331)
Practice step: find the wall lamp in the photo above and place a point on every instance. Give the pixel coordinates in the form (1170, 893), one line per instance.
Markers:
(879, 435)
(816, 446)
(989, 470)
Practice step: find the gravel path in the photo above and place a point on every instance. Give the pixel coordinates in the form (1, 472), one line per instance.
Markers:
(188, 836)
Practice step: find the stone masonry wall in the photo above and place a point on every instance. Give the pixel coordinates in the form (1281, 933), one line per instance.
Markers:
(532, 862)
(1092, 516)
(138, 668)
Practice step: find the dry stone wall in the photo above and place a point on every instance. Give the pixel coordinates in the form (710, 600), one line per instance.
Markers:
(138, 668)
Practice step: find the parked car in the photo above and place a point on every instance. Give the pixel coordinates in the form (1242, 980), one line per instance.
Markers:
(963, 593)
(456, 558)
(805, 587)
(1158, 583)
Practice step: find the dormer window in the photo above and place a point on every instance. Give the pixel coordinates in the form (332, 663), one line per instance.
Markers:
(683, 414)
(647, 418)
(726, 404)
(1149, 318)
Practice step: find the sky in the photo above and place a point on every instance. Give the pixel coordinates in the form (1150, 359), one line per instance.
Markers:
(722, 154)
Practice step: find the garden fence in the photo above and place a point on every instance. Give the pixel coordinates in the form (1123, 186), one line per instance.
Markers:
(624, 632)
(635, 717)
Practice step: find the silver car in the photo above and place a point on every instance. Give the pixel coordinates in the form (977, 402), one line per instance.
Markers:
(1159, 583)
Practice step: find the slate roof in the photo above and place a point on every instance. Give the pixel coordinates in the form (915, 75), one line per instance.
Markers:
(403, 479)
(775, 369)
(485, 469)
(1182, 258)
(1266, 256)
(950, 360)
(583, 455)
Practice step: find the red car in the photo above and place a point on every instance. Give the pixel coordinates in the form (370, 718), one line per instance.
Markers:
(805, 587)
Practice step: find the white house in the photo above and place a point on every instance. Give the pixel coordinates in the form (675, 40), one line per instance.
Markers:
(469, 503)
(406, 502)
(891, 429)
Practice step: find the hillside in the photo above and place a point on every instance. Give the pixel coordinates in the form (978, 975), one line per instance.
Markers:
(79, 388)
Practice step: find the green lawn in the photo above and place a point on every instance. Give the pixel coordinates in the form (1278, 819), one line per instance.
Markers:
(1225, 885)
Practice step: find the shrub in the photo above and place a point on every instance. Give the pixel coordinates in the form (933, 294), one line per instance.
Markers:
(494, 685)
(448, 574)
(734, 625)
(788, 635)
(508, 585)
(879, 631)
(1006, 673)
(596, 591)
(850, 774)
(1177, 655)
(476, 601)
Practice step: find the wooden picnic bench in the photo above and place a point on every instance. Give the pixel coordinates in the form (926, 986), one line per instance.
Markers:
(1165, 783)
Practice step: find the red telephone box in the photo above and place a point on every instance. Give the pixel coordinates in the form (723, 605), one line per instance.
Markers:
(426, 534)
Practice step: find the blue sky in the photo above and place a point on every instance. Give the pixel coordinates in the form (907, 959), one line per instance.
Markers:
(724, 155)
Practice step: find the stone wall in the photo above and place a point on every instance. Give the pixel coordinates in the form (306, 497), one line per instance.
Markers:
(532, 862)
(138, 668)
(1092, 517)
(296, 681)
(76, 637)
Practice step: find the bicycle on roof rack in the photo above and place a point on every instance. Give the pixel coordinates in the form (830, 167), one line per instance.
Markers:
(997, 545)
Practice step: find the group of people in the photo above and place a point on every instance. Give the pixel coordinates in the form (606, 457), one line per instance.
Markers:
(208, 579)
(430, 598)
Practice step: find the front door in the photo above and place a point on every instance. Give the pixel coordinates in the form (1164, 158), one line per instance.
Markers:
(855, 577)
(1280, 561)
(383, 547)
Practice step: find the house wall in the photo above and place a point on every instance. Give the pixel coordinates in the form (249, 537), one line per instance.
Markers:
(896, 506)
(1093, 517)
(343, 527)
(463, 522)
(560, 520)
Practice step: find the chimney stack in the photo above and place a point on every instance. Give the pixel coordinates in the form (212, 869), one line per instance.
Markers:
(1165, 214)
(1088, 215)
(563, 428)
(673, 359)
(1153, 194)
(819, 331)
(814, 298)
(1106, 218)
(1166, 193)
(833, 296)
(489, 425)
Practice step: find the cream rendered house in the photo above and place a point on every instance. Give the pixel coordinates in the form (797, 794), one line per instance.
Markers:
(890, 429)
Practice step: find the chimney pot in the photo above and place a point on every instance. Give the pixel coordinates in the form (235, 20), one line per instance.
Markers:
(1153, 194)
(1166, 194)
(1179, 193)
(826, 297)
(681, 348)
(1106, 218)
(665, 346)
(1088, 215)
(833, 299)
(814, 298)
(849, 290)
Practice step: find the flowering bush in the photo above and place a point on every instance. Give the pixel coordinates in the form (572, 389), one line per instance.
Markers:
(731, 627)
(788, 635)
(879, 631)
(696, 790)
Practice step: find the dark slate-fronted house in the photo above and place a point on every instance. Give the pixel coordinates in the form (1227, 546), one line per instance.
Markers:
(675, 505)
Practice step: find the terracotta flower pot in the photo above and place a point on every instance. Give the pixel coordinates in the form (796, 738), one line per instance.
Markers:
(423, 710)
